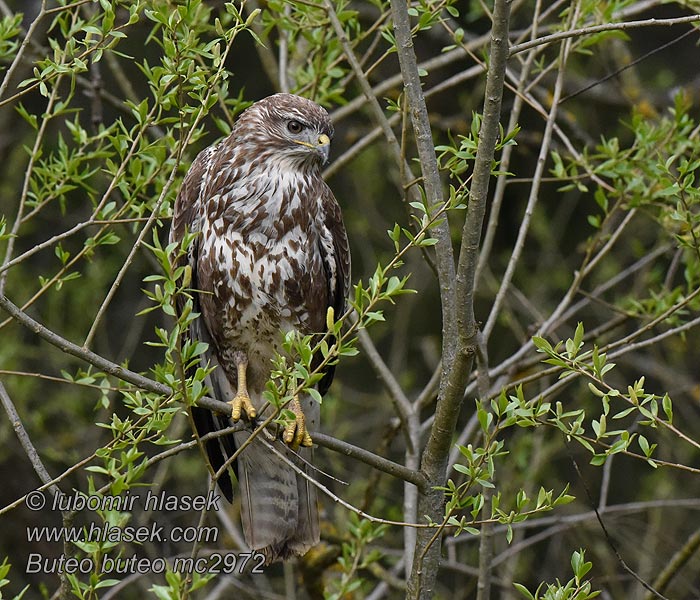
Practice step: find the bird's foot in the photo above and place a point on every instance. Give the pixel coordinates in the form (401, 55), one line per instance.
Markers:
(241, 403)
(295, 433)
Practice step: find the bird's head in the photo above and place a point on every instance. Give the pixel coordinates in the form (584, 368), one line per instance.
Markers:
(290, 128)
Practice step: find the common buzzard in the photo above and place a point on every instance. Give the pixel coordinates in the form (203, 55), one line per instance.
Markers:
(271, 255)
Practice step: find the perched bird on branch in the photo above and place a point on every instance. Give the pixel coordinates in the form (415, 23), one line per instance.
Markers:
(270, 255)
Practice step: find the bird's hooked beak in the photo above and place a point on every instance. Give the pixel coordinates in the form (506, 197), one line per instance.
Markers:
(322, 145)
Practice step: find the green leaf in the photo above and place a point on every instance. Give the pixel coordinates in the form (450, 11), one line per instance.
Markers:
(314, 393)
(524, 591)
(542, 344)
(595, 390)
(667, 406)
(598, 460)
(106, 583)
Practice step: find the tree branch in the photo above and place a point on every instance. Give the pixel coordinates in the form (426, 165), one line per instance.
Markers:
(401, 403)
(40, 470)
(533, 196)
(458, 351)
(24, 439)
(504, 164)
(679, 559)
(378, 462)
(458, 332)
(431, 176)
(562, 35)
(82, 353)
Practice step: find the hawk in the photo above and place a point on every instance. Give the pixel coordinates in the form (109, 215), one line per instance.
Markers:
(270, 255)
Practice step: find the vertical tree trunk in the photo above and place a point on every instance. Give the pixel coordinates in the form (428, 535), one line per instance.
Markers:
(459, 326)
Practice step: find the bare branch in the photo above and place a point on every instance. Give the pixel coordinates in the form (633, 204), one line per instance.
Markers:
(534, 193)
(398, 397)
(82, 353)
(431, 176)
(24, 439)
(369, 458)
(678, 560)
(572, 33)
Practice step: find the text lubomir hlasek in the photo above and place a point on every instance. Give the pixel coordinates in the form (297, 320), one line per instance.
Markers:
(125, 502)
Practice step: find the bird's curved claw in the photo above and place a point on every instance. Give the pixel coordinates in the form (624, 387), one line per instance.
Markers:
(295, 433)
(241, 403)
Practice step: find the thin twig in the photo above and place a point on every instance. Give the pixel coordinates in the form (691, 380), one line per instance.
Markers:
(401, 403)
(677, 562)
(432, 64)
(33, 157)
(22, 48)
(499, 191)
(609, 539)
(337, 499)
(534, 192)
(24, 440)
(581, 31)
(369, 458)
(129, 259)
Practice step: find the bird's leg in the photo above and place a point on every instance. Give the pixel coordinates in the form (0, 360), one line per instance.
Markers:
(295, 433)
(241, 401)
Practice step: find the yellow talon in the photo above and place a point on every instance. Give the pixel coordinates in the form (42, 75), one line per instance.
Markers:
(295, 433)
(241, 401)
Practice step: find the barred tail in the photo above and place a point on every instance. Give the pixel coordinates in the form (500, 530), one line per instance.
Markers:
(279, 513)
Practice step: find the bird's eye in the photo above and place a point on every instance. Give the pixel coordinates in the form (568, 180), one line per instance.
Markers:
(295, 126)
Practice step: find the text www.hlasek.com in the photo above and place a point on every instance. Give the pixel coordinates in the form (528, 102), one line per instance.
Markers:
(110, 533)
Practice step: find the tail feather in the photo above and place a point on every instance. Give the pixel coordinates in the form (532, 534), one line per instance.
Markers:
(268, 495)
(307, 533)
(279, 510)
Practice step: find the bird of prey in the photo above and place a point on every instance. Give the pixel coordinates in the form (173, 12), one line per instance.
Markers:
(270, 255)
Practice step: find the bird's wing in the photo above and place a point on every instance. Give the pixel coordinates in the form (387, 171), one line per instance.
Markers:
(186, 218)
(335, 251)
